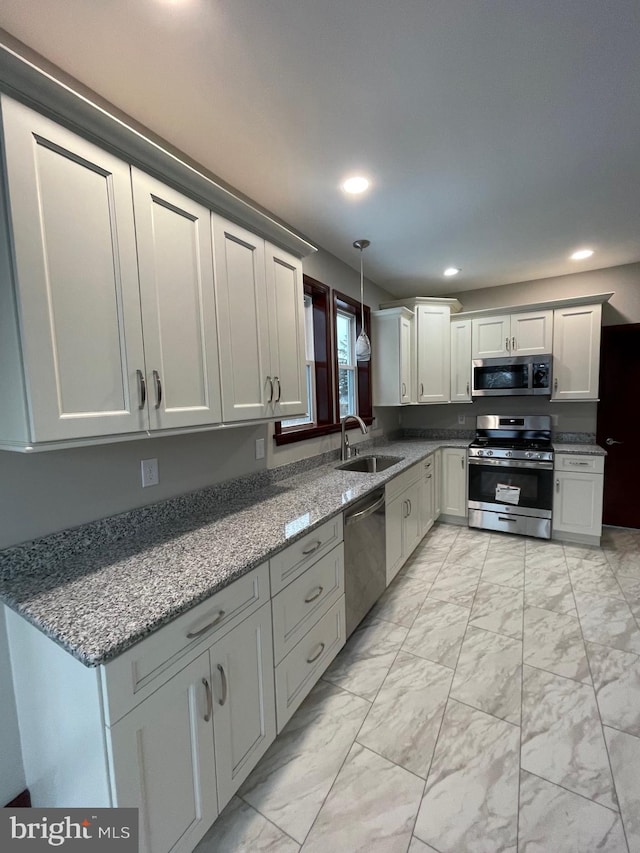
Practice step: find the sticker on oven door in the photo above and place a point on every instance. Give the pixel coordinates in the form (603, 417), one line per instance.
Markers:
(507, 494)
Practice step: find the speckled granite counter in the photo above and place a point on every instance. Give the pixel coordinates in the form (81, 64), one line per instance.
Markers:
(586, 449)
(98, 589)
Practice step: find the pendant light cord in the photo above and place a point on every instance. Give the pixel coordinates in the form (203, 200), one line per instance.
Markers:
(361, 297)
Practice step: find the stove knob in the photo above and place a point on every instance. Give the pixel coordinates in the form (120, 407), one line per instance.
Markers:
(481, 453)
(528, 454)
(489, 452)
(538, 455)
(508, 453)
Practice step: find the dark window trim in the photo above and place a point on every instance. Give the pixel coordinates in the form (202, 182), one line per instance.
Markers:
(326, 365)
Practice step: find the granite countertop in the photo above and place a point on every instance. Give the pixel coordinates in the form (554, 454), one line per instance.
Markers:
(98, 589)
(586, 449)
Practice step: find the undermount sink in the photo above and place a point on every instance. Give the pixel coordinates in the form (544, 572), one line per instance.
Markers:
(370, 464)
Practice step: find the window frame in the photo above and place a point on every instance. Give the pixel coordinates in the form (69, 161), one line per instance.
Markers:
(325, 304)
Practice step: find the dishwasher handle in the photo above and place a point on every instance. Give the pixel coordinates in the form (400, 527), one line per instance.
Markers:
(364, 513)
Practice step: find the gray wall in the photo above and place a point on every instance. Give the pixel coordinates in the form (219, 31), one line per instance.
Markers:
(624, 306)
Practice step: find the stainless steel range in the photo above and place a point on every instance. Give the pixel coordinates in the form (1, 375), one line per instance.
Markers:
(511, 475)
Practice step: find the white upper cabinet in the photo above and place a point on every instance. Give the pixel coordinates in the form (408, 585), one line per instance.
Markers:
(286, 332)
(261, 326)
(178, 306)
(71, 222)
(392, 348)
(501, 335)
(460, 361)
(531, 333)
(490, 336)
(433, 349)
(576, 352)
(243, 322)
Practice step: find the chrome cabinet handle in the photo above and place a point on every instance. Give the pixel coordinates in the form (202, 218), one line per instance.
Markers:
(467, 389)
(506, 344)
(312, 548)
(142, 389)
(317, 655)
(207, 687)
(317, 593)
(270, 381)
(573, 462)
(422, 389)
(555, 384)
(462, 461)
(193, 634)
(225, 686)
(409, 502)
(505, 518)
(611, 441)
(557, 485)
(513, 345)
(277, 379)
(158, 384)
(404, 390)
(429, 476)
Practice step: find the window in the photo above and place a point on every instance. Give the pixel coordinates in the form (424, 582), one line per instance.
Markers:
(337, 385)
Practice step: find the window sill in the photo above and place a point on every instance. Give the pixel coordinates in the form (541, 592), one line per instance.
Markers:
(293, 435)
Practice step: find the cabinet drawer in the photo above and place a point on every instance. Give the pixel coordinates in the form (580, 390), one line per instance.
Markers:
(300, 604)
(576, 462)
(305, 663)
(134, 675)
(402, 482)
(294, 560)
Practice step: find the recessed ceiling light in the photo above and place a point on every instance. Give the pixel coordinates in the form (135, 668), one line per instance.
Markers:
(451, 271)
(581, 254)
(356, 184)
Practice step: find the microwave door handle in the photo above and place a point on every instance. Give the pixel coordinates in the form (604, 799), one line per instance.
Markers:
(530, 376)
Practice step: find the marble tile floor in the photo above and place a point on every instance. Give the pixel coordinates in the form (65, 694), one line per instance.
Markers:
(489, 702)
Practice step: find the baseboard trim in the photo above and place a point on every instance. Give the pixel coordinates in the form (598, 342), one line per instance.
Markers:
(22, 801)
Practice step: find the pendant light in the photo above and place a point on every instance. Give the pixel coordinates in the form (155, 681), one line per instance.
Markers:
(363, 344)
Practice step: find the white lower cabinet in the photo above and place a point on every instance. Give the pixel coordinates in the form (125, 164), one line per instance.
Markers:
(403, 518)
(181, 754)
(163, 762)
(454, 482)
(577, 498)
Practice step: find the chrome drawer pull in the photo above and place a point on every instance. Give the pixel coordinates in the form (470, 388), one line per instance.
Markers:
(158, 383)
(270, 381)
(317, 593)
(277, 379)
(557, 485)
(207, 687)
(193, 634)
(223, 676)
(142, 389)
(312, 548)
(573, 462)
(506, 344)
(317, 655)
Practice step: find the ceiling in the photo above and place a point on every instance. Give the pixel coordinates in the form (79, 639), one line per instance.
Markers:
(498, 135)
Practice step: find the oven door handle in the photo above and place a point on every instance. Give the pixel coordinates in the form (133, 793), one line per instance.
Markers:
(511, 463)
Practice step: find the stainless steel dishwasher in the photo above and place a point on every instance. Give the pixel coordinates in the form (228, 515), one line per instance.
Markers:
(365, 571)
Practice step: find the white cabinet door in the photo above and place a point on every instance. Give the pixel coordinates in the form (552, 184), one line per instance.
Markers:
(243, 322)
(394, 518)
(427, 485)
(491, 336)
(71, 217)
(406, 332)
(178, 306)
(392, 342)
(577, 503)
(576, 352)
(244, 720)
(412, 527)
(437, 484)
(286, 332)
(532, 332)
(162, 758)
(433, 346)
(454, 481)
(460, 361)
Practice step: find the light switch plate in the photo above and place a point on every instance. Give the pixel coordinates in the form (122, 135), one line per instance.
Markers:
(462, 420)
(150, 475)
(259, 448)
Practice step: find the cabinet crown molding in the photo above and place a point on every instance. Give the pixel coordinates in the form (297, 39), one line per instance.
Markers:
(551, 304)
(413, 302)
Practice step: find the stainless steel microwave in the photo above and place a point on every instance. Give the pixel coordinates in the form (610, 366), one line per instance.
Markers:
(512, 376)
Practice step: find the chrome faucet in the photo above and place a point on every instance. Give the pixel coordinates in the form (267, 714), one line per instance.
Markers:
(345, 447)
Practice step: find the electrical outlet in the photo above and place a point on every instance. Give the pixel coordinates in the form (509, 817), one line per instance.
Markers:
(150, 476)
(259, 448)
(462, 420)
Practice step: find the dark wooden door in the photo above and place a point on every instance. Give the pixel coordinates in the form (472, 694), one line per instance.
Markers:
(619, 423)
